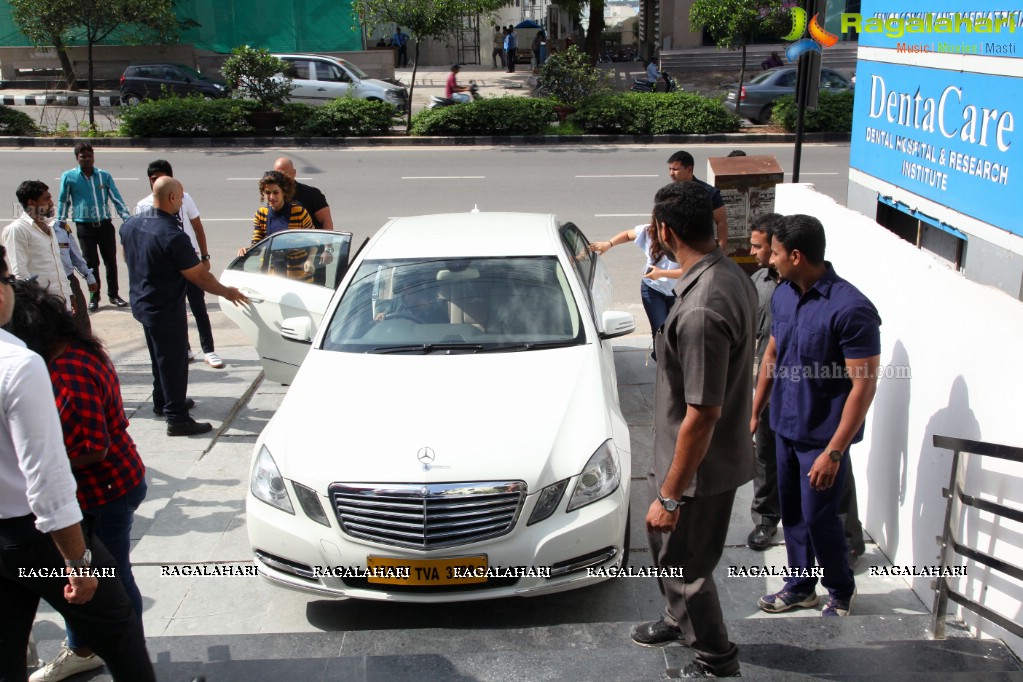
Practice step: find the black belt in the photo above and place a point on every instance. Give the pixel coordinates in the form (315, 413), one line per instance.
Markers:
(99, 224)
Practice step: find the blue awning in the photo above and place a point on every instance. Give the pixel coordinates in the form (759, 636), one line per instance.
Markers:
(923, 217)
(528, 23)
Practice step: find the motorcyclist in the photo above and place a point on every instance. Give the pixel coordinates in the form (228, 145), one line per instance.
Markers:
(453, 91)
(651, 72)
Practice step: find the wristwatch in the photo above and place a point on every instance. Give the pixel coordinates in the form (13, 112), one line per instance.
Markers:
(84, 562)
(206, 257)
(835, 455)
(669, 504)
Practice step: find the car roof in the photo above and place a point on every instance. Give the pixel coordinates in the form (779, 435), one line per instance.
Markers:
(454, 235)
(161, 64)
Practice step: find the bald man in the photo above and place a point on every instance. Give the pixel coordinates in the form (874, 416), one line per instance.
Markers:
(311, 199)
(160, 261)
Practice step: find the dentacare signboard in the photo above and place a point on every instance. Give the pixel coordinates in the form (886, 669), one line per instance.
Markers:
(951, 137)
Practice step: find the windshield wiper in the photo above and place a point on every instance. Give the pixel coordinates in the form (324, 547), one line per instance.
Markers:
(427, 347)
(533, 345)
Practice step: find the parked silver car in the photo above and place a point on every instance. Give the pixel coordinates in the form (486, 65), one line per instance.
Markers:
(318, 78)
(757, 98)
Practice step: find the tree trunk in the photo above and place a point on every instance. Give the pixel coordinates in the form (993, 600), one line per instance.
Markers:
(594, 30)
(70, 79)
(411, 89)
(92, 109)
(742, 75)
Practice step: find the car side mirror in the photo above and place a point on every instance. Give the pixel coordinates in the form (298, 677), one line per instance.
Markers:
(617, 323)
(298, 329)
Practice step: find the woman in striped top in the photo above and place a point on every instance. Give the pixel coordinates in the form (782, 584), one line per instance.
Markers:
(280, 214)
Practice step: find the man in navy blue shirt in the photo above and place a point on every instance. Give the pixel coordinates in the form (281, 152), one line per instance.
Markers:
(160, 259)
(820, 372)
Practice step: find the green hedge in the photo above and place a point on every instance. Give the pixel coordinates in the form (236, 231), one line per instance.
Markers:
(341, 117)
(187, 117)
(640, 113)
(834, 113)
(493, 116)
(14, 122)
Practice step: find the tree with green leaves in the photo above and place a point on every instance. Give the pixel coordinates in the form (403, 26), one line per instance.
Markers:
(422, 19)
(137, 22)
(732, 23)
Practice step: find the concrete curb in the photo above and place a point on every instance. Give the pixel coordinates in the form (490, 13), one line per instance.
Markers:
(402, 141)
(65, 100)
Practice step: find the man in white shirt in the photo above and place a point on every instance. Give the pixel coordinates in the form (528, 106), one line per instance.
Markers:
(40, 534)
(191, 223)
(31, 245)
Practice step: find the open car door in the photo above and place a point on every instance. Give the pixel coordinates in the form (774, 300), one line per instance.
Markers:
(289, 278)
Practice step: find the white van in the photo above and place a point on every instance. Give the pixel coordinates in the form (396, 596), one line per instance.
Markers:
(318, 78)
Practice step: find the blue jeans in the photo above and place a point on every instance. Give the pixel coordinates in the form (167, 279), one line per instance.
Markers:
(111, 523)
(657, 306)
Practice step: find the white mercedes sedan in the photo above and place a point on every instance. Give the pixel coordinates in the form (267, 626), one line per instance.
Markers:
(452, 430)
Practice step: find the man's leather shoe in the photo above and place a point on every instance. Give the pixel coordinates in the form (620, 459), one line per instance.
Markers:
(93, 302)
(189, 404)
(188, 428)
(657, 634)
(760, 538)
(118, 301)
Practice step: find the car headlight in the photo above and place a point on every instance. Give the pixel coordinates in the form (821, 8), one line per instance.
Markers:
(598, 479)
(267, 484)
(547, 501)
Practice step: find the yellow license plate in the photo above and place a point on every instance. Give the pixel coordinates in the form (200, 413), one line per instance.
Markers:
(457, 571)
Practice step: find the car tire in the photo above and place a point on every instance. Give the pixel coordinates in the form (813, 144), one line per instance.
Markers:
(131, 99)
(765, 115)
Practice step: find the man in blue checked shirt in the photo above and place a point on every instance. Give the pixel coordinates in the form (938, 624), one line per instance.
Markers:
(88, 191)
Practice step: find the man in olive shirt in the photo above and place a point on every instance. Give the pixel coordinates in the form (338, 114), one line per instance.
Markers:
(702, 450)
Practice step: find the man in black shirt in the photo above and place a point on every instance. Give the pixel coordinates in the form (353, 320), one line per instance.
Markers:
(680, 169)
(311, 199)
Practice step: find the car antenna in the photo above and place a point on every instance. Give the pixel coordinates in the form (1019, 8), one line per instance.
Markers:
(475, 208)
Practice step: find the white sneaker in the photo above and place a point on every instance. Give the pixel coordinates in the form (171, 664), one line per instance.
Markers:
(66, 664)
(214, 361)
(191, 355)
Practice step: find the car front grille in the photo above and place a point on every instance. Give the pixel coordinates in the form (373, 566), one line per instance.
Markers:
(427, 516)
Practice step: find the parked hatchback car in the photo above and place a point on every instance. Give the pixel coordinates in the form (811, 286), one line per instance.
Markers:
(454, 431)
(757, 97)
(318, 79)
(150, 81)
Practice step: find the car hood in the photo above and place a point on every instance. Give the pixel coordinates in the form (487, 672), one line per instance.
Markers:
(374, 82)
(535, 416)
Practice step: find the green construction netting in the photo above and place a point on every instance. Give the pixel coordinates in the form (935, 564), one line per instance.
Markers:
(279, 26)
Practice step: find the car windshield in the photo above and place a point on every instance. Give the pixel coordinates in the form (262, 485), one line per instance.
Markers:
(455, 305)
(761, 77)
(190, 72)
(354, 69)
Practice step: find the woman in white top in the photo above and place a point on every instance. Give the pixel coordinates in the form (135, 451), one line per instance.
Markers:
(659, 275)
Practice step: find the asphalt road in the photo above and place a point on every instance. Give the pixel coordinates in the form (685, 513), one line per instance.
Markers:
(603, 189)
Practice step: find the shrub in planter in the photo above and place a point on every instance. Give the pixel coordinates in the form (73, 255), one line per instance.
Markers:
(341, 117)
(259, 76)
(187, 117)
(833, 115)
(493, 116)
(635, 113)
(14, 122)
(569, 77)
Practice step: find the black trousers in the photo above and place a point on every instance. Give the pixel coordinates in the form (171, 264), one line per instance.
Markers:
(168, 353)
(107, 622)
(692, 602)
(766, 509)
(511, 59)
(100, 237)
(197, 304)
(81, 314)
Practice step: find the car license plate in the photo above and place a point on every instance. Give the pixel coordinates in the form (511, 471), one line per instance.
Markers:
(456, 571)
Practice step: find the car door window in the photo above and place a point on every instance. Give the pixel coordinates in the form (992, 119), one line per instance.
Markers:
(830, 79)
(317, 257)
(331, 73)
(300, 69)
(786, 80)
(173, 75)
(583, 260)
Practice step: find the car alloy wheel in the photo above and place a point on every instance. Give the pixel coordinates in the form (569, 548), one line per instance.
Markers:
(131, 99)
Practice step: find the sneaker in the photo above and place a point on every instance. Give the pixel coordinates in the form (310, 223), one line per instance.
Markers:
(213, 360)
(785, 600)
(657, 634)
(760, 538)
(94, 301)
(158, 410)
(66, 664)
(188, 428)
(837, 607)
(191, 355)
(118, 301)
(697, 669)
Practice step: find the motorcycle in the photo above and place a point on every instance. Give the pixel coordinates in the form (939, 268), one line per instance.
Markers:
(437, 102)
(643, 85)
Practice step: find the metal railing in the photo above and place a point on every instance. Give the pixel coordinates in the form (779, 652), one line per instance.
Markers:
(950, 545)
